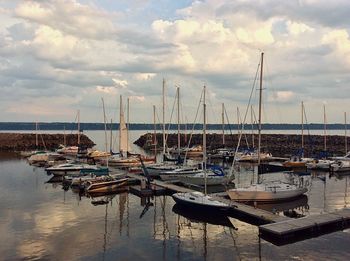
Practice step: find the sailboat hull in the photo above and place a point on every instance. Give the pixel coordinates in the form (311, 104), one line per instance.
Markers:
(266, 196)
(199, 201)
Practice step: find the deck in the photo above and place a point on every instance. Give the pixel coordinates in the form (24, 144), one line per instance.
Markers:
(293, 230)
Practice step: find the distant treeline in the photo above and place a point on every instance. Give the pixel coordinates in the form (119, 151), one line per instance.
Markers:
(4, 126)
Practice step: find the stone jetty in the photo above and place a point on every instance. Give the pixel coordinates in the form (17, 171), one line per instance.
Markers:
(27, 141)
(280, 145)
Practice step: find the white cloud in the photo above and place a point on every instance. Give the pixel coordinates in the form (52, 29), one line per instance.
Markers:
(144, 76)
(282, 96)
(66, 48)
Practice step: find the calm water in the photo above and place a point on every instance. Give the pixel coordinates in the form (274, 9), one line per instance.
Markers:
(39, 220)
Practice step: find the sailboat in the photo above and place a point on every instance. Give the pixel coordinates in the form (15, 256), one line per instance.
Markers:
(169, 169)
(322, 163)
(124, 159)
(198, 199)
(267, 191)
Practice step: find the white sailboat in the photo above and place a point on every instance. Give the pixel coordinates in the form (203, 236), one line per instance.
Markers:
(198, 199)
(266, 191)
(123, 160)
(322, 164)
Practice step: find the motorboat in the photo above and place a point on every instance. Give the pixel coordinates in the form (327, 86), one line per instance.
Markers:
(71, 169)
(320, 164)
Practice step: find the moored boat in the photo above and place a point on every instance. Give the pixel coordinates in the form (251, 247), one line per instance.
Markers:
(105, 186)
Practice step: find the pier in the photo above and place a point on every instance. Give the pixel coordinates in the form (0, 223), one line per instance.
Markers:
(294, 230)
(279, 230)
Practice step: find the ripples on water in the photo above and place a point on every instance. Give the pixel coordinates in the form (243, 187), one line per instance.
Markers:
(40, 220)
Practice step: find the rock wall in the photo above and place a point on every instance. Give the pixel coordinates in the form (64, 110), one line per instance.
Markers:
(280, 145)
(26, 141)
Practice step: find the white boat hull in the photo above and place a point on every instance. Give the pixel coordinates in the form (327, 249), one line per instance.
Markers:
(258, 195)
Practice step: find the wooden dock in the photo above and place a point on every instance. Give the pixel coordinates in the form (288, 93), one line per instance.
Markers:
(255, 215)
(249, 213)
(276, 229)
(293, 230)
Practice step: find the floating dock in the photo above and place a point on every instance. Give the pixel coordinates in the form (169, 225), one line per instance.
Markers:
(279, 230)
(294, 230)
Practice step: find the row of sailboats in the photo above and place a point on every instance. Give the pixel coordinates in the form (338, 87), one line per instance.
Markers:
(259, 191)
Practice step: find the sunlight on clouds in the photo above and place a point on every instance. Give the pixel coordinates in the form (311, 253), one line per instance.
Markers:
(340, 40)
(282, 96)
(120, 83)
(144, 76)
(106, 89)
(52, 43)
(298, 28)
(34, 10)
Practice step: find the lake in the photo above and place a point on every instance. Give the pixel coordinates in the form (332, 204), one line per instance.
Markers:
(42, 221)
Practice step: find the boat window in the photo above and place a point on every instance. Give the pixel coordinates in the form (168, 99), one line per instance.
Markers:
(192, 198)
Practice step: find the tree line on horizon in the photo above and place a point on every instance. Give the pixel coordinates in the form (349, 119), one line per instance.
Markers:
(150, 126)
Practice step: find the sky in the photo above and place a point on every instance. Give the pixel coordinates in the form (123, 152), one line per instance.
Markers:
(58, 57)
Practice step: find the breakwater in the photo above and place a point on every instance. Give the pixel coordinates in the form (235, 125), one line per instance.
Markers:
(280, 145)
(27, 141)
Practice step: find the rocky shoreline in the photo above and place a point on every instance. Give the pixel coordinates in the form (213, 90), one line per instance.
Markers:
(26, 141)
(280, 145)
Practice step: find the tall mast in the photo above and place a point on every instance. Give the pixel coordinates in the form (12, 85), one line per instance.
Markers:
(36, 136)
(238, 121)
(105, 123)
(78, 127)
(163, 116)
(252, 122)
(204, 142)
(64, 135)
(120, 121)
(346, 138)
(128, 123)
(260, 99)
(111, 138)
(302, 127)
(325, 129)
(155, 130)
(223, 124)
(178, 120)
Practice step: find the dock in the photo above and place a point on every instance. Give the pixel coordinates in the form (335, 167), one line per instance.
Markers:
(255, 215)
(279, 230)
(294, 230)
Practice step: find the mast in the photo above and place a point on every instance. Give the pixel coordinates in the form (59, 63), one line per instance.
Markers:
(120, 122)
(204, 143)
(111, 138)
(36, 135)
(302, 127)
(163, 90)
(252, 122)
(155, 131)
(127, 124)
(105, 124)
(346, 138)
(178, 121)
(260, 99)
(325, 130)
(223, 124)
(78, 127)
(64, 135)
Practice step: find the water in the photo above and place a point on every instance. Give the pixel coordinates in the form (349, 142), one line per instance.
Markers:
(41, 221)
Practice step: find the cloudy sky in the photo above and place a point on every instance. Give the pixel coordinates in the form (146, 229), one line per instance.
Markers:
(58, 56)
